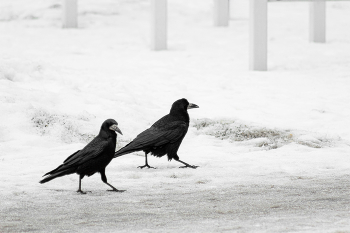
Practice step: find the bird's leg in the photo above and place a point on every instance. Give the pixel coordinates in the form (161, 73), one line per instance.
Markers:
(79, 190)
(186, 164)
(104, 179)
(146, 164)
(114, 189)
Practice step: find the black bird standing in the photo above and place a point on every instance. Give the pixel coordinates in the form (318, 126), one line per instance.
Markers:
(164, 136)
(94, 157)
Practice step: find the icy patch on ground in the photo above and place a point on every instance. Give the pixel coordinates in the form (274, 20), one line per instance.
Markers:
(259, 136)
(68, 128)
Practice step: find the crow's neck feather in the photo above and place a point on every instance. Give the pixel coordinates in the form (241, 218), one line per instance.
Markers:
(180, 114)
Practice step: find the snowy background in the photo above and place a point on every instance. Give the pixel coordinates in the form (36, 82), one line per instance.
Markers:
(273, 147)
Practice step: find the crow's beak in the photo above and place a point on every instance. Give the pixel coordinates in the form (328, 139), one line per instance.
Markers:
(192, 106)
(115, 128)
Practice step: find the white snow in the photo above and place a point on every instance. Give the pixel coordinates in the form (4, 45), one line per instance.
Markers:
(273, 147)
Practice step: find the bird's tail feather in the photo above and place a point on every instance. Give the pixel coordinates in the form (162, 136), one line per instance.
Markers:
(124, 151)
(58, 174)
(54, 170)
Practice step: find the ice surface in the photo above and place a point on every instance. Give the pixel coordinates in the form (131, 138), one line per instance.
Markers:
(273, 147)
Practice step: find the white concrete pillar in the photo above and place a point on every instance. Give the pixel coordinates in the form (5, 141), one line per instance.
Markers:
(258, 35)
(158, 24)
(318, 21)
(70, 14)
(221, 12)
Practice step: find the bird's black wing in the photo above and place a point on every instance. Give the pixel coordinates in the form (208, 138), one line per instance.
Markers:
(154, 137)
(90, 151)
(160, 136)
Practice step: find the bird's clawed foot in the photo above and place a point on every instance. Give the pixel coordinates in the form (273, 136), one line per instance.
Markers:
(80, 191)
(146, 165)
(190, 166)
(116, 190)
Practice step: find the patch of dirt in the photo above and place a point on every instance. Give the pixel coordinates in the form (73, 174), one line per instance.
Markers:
(258, 136)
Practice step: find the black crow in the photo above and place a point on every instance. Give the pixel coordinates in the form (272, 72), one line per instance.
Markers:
(164, 136)
(94, 157)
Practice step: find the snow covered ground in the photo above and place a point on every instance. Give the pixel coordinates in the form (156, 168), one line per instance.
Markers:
(273, 147)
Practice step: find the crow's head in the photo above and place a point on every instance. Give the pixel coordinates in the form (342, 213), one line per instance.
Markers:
(111, 124)
(182, 105)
